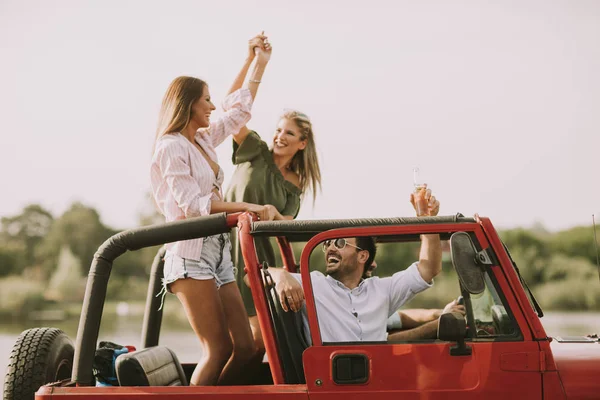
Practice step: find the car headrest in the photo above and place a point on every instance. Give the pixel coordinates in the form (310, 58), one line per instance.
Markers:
(154, 366)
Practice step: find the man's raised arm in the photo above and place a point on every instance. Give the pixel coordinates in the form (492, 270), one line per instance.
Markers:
(430, 256)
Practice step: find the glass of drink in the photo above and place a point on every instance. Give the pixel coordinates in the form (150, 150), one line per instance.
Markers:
(419, 193)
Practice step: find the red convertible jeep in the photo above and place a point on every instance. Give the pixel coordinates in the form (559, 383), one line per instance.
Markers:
(501, 349)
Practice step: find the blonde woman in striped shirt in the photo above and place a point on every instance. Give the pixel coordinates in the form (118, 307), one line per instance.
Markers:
(186, 182)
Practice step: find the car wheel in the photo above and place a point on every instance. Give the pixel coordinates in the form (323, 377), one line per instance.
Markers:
(40, 356)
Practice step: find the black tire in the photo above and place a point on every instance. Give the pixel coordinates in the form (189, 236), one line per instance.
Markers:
(40, 356)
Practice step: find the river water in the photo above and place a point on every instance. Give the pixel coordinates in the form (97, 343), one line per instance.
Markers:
(179, 337)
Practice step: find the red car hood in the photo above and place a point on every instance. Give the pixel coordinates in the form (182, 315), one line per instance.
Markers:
(578, 367)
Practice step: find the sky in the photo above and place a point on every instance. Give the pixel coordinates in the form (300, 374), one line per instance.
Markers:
(496, 102)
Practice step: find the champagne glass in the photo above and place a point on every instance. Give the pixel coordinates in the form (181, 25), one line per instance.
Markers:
(419, 193)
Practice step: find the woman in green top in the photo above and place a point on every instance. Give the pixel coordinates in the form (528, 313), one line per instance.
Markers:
(278, 176)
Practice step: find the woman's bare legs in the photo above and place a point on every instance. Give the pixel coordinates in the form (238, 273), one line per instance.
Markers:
(205, 312)
(258, 339)
(241, 335)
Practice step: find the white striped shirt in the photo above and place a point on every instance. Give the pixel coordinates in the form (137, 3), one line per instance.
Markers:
(182, 179)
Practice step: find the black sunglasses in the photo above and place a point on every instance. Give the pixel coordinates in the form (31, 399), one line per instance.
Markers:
(338, 243)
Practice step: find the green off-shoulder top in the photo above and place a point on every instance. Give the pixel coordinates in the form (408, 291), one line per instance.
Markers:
(258, 180)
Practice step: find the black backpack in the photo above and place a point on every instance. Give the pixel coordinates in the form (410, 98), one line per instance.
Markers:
(104, 362)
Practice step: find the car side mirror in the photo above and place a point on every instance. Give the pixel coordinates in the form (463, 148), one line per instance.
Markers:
(453, 328)
(464, 260)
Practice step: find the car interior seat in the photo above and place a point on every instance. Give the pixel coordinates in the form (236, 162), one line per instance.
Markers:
(153, 366)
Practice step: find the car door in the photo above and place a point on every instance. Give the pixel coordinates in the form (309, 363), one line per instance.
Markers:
(503, 359)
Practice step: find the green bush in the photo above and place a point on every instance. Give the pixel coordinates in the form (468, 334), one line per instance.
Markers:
(20, 296)
(576, 242)
(561, 267)
(12, 259)
(131, 288)
(569, 295)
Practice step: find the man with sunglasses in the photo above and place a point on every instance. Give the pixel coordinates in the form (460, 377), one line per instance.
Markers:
(350, 308)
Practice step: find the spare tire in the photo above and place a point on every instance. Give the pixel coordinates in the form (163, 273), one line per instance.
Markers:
(40, 356)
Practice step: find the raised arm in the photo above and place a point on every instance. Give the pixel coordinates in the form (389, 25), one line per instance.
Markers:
(257, 41)
(430, 256)
(263, 55)
(238, 104)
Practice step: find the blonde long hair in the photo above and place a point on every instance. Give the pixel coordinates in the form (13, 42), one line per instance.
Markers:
(305, 162)
(176, 110)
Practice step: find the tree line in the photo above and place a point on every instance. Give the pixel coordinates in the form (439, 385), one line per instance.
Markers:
(44, 258)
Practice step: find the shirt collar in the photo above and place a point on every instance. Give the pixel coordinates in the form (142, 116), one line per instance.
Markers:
(335, 282)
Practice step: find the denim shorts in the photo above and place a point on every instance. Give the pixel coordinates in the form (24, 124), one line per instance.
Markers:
(215, 263)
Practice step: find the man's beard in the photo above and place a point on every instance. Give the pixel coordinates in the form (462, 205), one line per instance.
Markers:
(346, 268)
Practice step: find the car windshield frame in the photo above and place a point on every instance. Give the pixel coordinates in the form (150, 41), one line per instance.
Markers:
(532, 300)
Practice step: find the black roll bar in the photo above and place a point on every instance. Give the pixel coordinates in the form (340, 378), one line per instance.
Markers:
(153, 312)
(305, 229)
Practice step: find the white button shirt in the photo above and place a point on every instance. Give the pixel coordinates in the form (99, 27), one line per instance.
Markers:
(360, 314)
